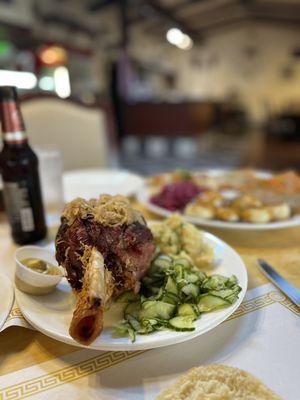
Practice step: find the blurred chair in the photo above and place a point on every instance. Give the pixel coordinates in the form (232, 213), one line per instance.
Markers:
(81, 133)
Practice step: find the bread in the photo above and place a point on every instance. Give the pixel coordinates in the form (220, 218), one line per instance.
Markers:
(217, 382)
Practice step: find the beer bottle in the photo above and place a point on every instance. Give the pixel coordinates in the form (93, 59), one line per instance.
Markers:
(19, 170)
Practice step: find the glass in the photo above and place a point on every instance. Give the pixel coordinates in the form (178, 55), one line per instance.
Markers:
(51, 169)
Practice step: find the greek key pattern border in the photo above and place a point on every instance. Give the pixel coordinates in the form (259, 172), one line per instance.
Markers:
(286, 302)
(248, 306)
(96, 364)
(64, 375)
(15, 313)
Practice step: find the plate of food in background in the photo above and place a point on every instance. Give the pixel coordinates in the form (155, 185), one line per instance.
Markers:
(133, 286)
(230, 199)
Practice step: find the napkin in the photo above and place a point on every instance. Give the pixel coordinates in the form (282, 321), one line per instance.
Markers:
(15, 318)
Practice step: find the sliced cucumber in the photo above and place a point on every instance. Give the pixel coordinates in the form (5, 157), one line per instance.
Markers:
(125, 329)
(132, 310)
(182, 323)
(163, 258)
(134, 323)
(188, 310)
(149, 322)
(183, 262)
(232, 281)
(171, 286)
(208, 302)
(179, 271)
(155, 290)
(223, 293)
(202, 276)
(160, 293)
(173, 295)
(122, 328)
(157, 309)
(191, 278)
(232, 299)
(181, 283)
(169, 298)
(132, 334)
(230, 295)
(191, 290)
(162, 262)
(215, 282)
(128, 297)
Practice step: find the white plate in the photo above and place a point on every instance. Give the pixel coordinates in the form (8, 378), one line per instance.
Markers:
(51, 314)
(90, 183)
(7, 298)
(144, 198)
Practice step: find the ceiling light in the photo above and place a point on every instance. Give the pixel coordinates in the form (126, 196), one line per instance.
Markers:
(62, 82)
(186, 43)
(52, 55)
(22, 80)
(46, 83)
(176, 37)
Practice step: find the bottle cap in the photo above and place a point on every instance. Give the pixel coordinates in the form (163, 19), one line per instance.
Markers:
(8, 93)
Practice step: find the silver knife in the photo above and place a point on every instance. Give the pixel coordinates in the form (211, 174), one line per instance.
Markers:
(289, 290)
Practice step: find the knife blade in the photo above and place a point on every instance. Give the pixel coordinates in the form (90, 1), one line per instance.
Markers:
(289, 290)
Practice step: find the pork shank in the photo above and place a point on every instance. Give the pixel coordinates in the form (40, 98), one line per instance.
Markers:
(105, 247)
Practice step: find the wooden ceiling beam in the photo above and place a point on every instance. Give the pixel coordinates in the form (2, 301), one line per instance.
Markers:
(221, 14)
(186, 3)
(98, 5)
(230, 10)
(203, 7)
(251, 17)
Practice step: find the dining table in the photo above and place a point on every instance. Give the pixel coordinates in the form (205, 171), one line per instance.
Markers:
(261, 336)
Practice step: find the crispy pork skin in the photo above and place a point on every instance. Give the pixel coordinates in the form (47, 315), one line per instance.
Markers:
(127, 251)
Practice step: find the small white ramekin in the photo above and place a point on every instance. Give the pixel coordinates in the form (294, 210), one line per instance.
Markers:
(30, 281)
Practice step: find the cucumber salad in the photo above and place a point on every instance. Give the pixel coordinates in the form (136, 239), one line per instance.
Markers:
(173, 295)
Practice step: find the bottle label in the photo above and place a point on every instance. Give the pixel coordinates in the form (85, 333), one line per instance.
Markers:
(17, 204)
(12, 123)
(15, 137)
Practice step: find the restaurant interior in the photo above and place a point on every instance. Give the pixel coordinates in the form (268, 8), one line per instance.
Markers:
(220, 77)
(120, 94)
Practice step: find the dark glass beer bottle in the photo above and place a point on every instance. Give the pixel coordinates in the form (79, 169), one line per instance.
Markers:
(19, 170)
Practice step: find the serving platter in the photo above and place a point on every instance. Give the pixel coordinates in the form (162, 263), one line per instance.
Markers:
(51, 314)
(144, 196)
